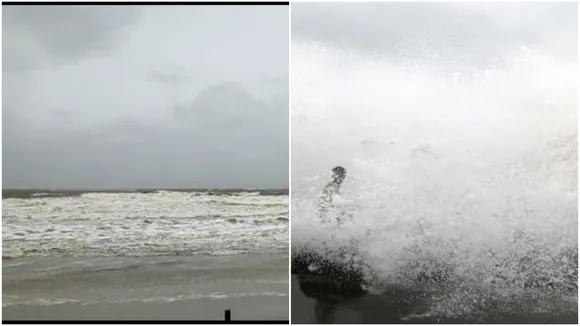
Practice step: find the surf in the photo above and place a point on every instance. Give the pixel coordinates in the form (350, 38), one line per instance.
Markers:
(460, 178)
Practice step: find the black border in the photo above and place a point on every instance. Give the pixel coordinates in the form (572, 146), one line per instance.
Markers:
(148, 3)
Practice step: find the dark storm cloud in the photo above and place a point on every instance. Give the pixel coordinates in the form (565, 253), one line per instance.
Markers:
(129, 97)
(35, 36)
(479, 31)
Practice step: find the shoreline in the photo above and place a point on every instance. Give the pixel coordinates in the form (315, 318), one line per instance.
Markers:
(256, 308)
(252, 286)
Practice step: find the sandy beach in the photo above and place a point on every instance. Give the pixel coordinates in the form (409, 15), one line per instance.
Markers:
(253, 286)
(256, 308)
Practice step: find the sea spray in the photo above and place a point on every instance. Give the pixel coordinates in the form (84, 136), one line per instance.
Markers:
(464, 179)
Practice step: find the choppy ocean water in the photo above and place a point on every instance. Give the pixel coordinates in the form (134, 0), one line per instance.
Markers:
(184, 254)
(143, 223)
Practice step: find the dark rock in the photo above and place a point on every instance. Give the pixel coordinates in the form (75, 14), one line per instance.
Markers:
(327, 279)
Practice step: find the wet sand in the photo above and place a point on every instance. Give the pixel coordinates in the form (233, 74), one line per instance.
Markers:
(253, 286)
(385, 309)
(257, 308)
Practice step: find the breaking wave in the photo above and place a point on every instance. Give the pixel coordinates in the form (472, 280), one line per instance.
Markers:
(463, 183)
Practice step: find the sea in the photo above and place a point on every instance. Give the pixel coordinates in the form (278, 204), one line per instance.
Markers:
(68, 250)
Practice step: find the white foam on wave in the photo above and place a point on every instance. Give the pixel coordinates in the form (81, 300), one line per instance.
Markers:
(109, 224)
(13, 300)
(476, 169)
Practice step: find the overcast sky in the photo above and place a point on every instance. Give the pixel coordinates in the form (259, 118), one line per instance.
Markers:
(344, 55)
(145, 97)
(455, 32)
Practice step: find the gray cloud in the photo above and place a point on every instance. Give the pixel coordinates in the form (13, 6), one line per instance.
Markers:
(246, 122)
(167, 77)
(152, 97)
(39, 35)
(477, 32)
